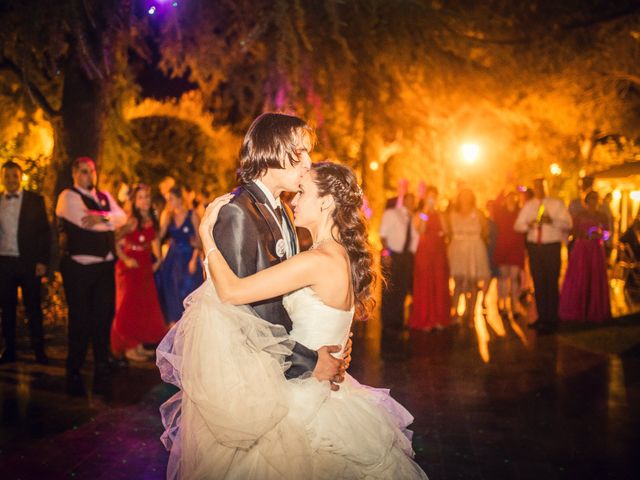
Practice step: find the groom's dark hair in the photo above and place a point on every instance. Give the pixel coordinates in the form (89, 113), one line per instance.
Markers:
(269, 143)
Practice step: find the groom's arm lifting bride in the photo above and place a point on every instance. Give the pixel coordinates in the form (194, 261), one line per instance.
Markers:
(255, 230)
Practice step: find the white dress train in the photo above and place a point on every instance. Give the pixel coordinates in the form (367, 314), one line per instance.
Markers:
(237, 417)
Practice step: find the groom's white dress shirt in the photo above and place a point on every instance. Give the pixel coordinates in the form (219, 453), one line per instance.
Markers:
(275, 202)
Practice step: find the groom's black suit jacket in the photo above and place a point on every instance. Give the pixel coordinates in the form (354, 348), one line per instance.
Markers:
(246, 234)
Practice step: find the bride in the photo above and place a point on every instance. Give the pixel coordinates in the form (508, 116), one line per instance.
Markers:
(236, 416)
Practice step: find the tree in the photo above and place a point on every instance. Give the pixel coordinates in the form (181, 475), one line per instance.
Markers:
(71, 59)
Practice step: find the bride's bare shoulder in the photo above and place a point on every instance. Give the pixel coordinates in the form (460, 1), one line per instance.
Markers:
(329, 257)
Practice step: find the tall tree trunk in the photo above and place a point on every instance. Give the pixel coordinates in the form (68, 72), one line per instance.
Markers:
(81, 123)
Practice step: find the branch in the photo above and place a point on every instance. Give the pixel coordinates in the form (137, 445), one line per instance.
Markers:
(595, 20)
(631, 9)
(491, 41)
(34, 92)
(635, 79)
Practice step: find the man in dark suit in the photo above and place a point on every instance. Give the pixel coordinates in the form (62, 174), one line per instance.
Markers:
(255, 230)
(25, 240)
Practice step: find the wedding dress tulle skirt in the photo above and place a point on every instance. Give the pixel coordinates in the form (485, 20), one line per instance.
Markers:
(237, 417)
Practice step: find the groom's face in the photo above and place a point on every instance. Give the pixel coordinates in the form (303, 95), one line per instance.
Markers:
(291, 175)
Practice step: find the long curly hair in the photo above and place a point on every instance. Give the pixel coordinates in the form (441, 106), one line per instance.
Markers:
(137, 213)
(340, 182)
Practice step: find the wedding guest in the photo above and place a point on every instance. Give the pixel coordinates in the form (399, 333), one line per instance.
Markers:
(490, 243)
(468, 259)
(88, 218)
(607, 209)
(181, 271)
(508, 255)
(546, 222)
(158, 204)
(585, 290)
(630, 254)
(577, 205)
(396, 201)
(399, 241)
(138, 319)
(431, 299)
(25, 238)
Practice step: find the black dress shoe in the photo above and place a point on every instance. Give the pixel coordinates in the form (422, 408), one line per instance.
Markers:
(7, 357)
(75, 386)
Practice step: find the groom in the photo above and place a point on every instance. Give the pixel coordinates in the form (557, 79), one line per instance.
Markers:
(256, 229)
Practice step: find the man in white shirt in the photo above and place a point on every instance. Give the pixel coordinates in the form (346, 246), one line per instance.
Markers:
(88, 218)
(399, 241)
(25, 244)
(546, 222)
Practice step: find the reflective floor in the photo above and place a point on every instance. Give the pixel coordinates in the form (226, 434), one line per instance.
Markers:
(491, 402)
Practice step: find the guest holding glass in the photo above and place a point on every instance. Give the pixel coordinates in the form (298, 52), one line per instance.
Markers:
(585, 290)
(138, 319)
(546, 222)
(181, 271)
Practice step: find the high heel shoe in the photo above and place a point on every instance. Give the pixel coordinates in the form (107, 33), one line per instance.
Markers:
(135, 356)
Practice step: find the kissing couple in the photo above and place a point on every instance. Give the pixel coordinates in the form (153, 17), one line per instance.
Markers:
(261, 350)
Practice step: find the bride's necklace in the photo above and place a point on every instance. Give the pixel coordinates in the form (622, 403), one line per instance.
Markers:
(318, 243)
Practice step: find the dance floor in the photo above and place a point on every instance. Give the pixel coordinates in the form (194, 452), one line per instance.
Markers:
(494, 401)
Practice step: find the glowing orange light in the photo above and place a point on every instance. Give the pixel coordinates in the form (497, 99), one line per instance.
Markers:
(470, 152)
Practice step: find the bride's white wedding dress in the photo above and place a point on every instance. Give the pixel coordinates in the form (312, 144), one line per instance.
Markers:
(237, 417)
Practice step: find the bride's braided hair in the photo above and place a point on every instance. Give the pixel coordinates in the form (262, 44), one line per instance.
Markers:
(340, 182)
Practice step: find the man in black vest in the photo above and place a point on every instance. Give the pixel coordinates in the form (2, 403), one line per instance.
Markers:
(25, 240)
(255, 230)
(87, 218)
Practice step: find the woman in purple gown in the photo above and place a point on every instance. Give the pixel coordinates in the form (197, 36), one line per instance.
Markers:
(585, 290)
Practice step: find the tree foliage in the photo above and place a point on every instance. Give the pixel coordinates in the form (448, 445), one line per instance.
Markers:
(398, 83)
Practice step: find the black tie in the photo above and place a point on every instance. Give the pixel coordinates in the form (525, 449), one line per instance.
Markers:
(10, 196)
(407, 238)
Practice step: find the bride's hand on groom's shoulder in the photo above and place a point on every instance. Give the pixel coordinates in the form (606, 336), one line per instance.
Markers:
(211, 215)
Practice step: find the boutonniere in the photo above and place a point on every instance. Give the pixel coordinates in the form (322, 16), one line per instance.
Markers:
(280, 248)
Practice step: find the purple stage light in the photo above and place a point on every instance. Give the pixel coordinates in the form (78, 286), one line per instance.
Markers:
(160, 7)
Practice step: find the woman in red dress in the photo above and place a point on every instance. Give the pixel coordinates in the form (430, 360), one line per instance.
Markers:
(138, 318)
(431, 301)
(508, 254)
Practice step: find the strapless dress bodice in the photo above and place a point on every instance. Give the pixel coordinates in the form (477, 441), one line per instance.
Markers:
(316, 324)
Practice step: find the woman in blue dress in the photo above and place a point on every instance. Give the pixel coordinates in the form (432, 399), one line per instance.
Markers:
(181, 272)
